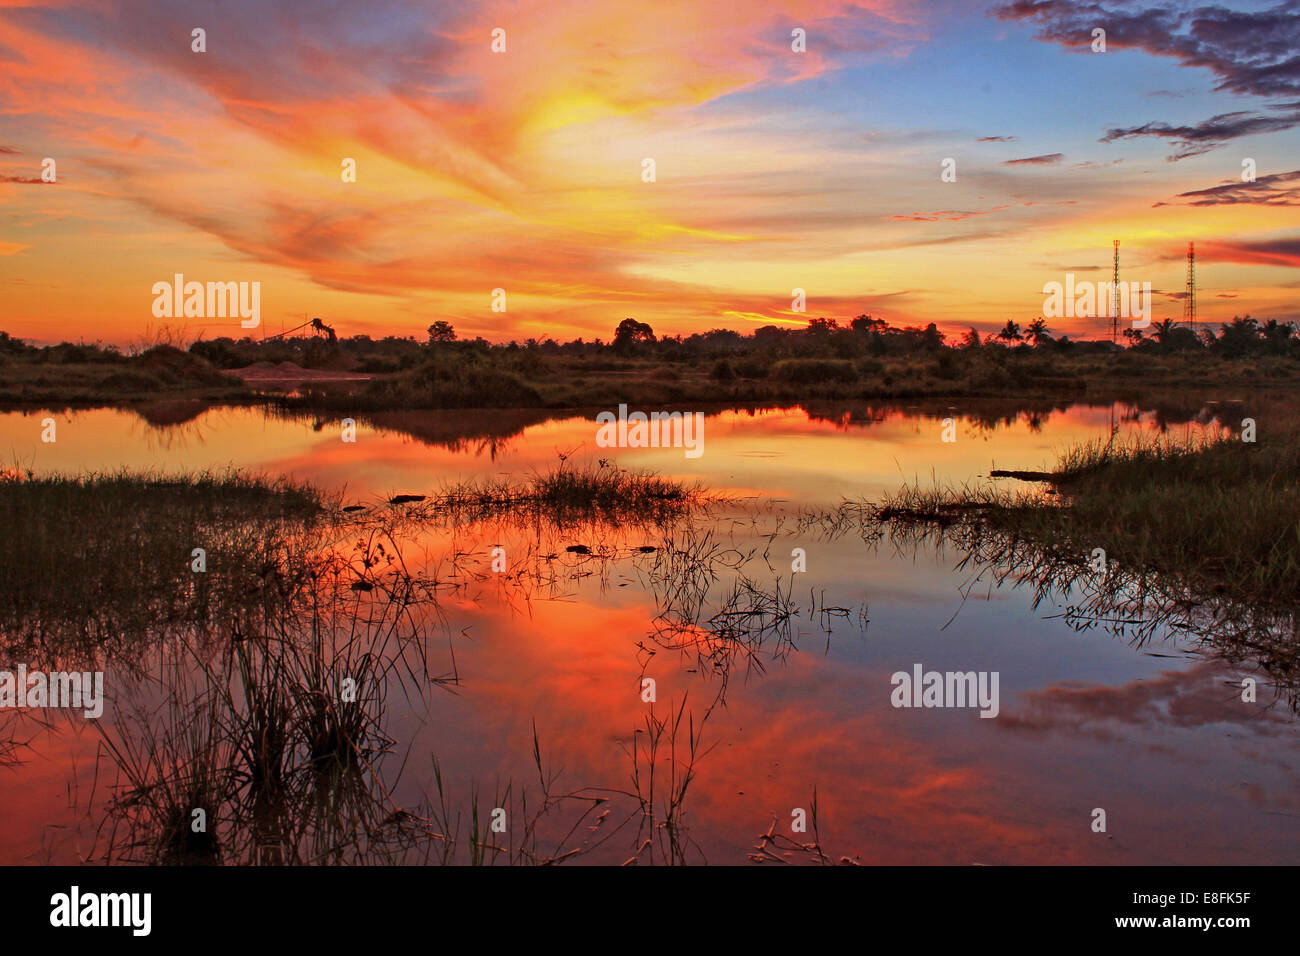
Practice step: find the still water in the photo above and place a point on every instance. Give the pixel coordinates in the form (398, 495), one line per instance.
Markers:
(781, 680)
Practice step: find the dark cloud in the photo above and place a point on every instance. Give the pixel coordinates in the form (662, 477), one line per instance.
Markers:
(1283, 251)
(997, 139)
(9, 149)
(1279, 252)
(1279, 189)
(1047, 160)
(1254, 53)
(1211, 133)
(25, 180)
(1250, 53)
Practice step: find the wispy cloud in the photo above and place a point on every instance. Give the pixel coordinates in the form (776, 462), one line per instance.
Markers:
(1278, 189)
(1210, 134)
(1050, 159)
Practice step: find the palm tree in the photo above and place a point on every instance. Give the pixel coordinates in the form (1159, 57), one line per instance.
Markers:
(1038, 332)
(1010, 332)
(1162, 330)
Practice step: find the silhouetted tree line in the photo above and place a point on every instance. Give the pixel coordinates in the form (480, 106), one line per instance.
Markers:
(729, 352)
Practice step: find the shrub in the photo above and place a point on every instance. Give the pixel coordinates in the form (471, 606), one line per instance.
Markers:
(946, 367)
(813, 371)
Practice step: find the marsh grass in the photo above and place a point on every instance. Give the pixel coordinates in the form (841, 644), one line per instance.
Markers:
(664, 760)
(1218, 515)
(234, 702)
(177, 759)
(566, 494)
(276, 729)
(99, 563)
(1201, 536)
(211, 494)
(775, 847)
(548, 824)
(254, 690)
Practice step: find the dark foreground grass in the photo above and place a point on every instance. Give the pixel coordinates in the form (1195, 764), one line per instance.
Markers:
(100, 562)
(113, 553)
(1218, 515)
(72, 511)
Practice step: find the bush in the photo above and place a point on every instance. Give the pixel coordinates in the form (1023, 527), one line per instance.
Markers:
(722, 371)
(377, 366)
(813, 371)
(219, 354)
(751, 368)
(14, 345)
(69, 354)
(453, 382)
(132, 381)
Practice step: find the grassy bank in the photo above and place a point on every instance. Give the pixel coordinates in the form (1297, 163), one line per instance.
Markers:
(1218, 515)
(824, 362)
(469, 380)
(79, 376)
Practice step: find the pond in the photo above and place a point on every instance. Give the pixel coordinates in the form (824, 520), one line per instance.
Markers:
(767, 624)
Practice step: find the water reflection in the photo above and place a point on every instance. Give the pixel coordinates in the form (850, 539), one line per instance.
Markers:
(373, 685)
(1140, 606)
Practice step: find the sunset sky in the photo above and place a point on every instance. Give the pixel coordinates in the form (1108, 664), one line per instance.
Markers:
(522, 170)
